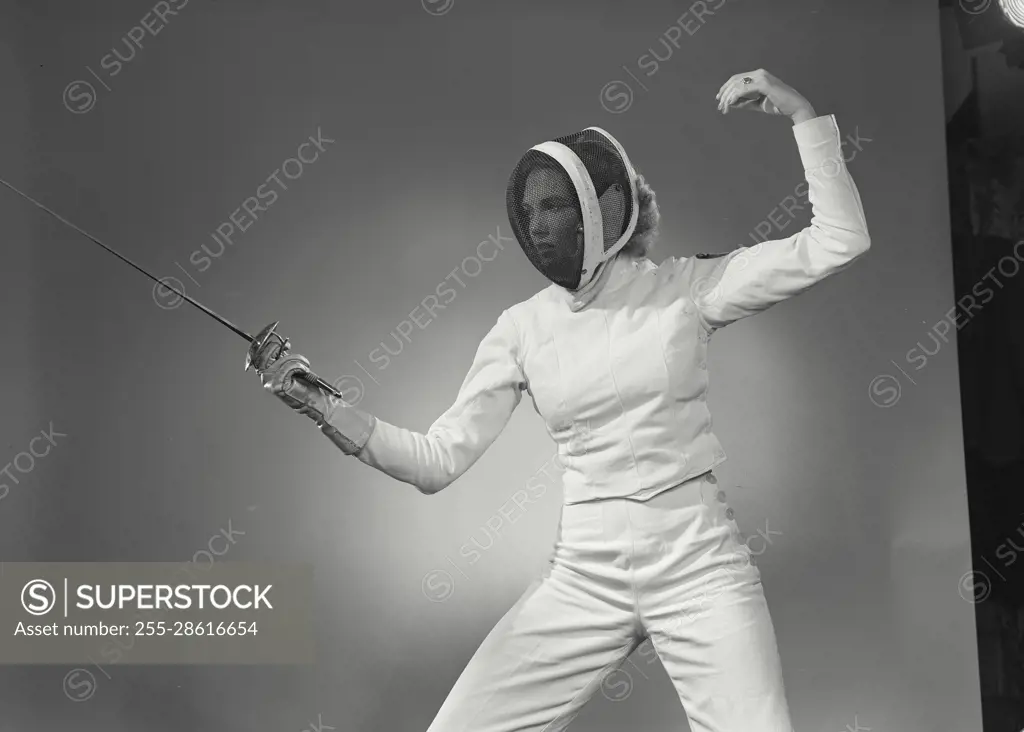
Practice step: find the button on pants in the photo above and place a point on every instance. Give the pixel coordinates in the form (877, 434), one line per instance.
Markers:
(673, 569)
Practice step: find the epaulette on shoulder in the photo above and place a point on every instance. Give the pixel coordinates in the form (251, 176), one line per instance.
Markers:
(707, 255)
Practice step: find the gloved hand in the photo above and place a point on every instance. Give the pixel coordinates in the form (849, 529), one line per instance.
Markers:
(281, 378)
(347, 427)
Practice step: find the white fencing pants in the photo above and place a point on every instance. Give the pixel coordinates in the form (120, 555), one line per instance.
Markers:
(672, 569)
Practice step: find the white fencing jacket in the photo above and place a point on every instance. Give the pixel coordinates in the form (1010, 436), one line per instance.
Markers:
(619, 375)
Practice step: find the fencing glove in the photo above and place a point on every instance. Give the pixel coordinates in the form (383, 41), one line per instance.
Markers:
(346, 426)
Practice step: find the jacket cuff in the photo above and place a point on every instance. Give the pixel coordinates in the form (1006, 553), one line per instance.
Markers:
(818, 142)
(349, 428)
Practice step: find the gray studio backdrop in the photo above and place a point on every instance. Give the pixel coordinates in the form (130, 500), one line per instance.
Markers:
(843, 435)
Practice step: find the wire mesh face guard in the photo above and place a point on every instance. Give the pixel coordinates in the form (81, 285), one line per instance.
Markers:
(572, 204)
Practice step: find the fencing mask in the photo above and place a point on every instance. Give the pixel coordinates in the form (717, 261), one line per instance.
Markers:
(572, 203)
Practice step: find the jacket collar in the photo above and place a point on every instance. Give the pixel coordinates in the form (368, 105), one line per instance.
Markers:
(613, 274)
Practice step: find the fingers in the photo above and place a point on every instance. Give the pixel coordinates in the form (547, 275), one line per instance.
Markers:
(269, 352)
(732, 91)
(729, 93)
(768, 106)
(751, 104)
(735, 87)
(726, 100)
(279, 376)
(755, 103)
(721, 91)
(282, 369)
(722, 88)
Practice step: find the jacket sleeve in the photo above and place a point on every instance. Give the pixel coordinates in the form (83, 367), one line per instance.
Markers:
(749, 280)
(489, 394)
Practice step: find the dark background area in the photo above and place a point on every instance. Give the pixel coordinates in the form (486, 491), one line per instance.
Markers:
(983, 59)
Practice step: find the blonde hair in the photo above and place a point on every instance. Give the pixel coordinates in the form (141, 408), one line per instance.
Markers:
(648, 216)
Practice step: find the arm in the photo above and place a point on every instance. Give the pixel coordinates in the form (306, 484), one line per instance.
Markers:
(748, 281)
(455, 441)
(490, 392)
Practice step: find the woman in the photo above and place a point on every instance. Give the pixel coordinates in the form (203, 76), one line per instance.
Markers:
(613, 354)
